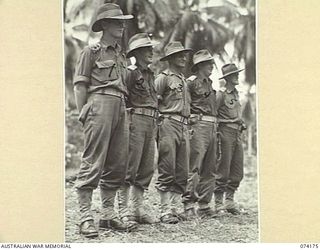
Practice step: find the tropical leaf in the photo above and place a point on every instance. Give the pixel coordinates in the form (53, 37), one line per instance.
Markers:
(220, 35)
(145, 17)
(245, 48)
(167, 12)
(192, 31)
(186, 23)
(179, 20)
(226, 12)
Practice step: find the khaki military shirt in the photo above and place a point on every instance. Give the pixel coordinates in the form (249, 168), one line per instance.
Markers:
(173, 93)
(105, 68)
(203, 96)
(228, 104)
(140, 84)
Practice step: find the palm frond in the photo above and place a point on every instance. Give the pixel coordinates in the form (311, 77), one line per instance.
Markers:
(167, 12)
(245, 48)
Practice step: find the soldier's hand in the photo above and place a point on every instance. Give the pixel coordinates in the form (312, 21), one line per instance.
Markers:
(243, 126)
(191, 132)
(244, 137)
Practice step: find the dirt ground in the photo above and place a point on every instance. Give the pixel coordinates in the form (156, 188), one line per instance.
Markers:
(228, 228)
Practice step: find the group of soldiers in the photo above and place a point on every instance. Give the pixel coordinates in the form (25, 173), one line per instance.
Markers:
(124, 110)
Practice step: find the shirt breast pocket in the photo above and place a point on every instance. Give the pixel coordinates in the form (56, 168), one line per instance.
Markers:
(141, 87)
(106, 70)
(199, 92)
(177, 91)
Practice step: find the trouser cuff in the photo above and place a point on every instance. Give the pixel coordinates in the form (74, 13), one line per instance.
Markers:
(189, 205)
(108, 214)
(86, 218)
(203, 205)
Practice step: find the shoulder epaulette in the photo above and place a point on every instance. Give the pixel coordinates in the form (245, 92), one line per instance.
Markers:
(222, 89)
(192, 78)
(132, 67)
(164, 73)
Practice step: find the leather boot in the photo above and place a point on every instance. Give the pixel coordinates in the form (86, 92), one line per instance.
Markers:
(116, 224)
(230, 205)
(86, 227)
(107, 201)
(175, 199)
(109, 219)
(207, 212)
(136, 208)
(123, 198)
(218, 198)
(188, 213)
(165, 209)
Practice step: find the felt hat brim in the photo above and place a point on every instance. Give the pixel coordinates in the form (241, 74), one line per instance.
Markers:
(193, 67)
(152, 44)
(174, 52)
(96, 26)
(230, 73)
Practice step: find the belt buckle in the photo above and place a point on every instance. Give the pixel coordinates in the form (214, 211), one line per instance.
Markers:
(184, 120)
(156, 114)
(132, 110)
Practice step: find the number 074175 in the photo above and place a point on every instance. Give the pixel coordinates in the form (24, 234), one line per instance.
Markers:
(309, 245)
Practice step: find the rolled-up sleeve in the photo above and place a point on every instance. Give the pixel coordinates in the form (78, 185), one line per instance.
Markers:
(160, 84)
(190, 85)
(83, 67)
(219, 99)
(130, 79)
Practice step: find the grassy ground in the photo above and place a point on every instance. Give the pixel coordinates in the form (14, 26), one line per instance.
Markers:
(228, 228)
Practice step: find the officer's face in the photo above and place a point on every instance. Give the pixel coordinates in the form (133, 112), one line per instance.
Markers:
(179, 59)
(144, 55)
(114, 27)
(233, 79)
(205, 68)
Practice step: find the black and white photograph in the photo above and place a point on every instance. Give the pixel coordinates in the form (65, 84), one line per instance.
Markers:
(160, 121)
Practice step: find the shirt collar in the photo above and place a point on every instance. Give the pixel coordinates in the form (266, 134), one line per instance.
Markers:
(204, 79)
(170, 72)
(143, 68)
(232, 91)
(110, 43)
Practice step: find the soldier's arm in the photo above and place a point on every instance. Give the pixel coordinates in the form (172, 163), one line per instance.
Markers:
(190, 85)
(160, 84)
(219, 99)
(81, 94)
(82, 76)
(130, 78)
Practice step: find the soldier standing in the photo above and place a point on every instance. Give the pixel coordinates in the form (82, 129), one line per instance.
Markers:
(100, 96)
(174, 148)
(203, 143)
(143, 107)
(230, 167)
